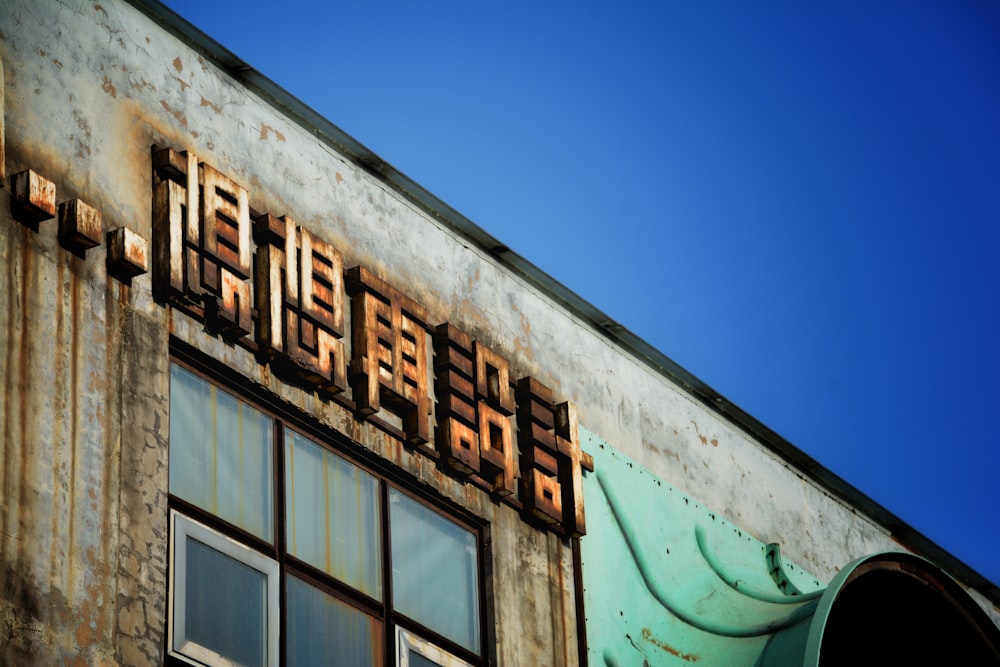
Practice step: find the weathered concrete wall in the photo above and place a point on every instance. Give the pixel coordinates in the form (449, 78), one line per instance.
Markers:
(83, 473)
(89, 87)
(59, 334)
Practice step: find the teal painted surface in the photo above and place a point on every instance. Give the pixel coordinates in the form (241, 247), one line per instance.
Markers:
(669, 582)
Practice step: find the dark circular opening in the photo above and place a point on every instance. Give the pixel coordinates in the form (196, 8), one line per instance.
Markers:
(892, 613)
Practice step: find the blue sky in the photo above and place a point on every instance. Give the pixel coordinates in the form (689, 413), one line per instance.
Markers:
(797, 202)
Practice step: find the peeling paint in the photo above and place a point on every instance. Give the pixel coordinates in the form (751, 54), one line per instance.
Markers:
(108, 87)
(176, 113)
(211, 105)
(267, 130)
(83, 142)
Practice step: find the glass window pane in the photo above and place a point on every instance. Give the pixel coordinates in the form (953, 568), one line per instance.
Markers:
(333, 514)
(323, 630)
(220, 453)
(434, 571)
(417, 660)
(225, 605)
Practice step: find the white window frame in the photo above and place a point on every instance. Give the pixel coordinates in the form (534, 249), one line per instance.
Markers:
(406, 641)
(183, 528)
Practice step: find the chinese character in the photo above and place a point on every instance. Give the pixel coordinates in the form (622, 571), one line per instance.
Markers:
(389, 354)
(475, 401)
(551, 459)
(202, 254)
(300, 303)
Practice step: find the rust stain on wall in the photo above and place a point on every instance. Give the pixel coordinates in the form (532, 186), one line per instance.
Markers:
(659, 643)
(56, 589)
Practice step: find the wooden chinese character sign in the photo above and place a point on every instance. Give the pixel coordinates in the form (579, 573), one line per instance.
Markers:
(274, 287)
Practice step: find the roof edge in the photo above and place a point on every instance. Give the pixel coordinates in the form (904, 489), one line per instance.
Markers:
(328, 133)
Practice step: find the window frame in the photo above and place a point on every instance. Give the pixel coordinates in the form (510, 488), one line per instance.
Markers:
(286, 416)
(407, 641)
(182, 528)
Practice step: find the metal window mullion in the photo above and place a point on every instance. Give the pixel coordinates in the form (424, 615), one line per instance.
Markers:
(280, 521)
(388, 618)
(484, 565)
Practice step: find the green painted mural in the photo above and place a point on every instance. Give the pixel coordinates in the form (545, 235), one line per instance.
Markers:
(669, 582)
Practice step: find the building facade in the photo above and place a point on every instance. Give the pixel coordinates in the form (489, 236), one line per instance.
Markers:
(266, 401)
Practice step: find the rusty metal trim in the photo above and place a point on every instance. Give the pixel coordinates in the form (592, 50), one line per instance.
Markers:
(32, 199)
(127, 255)
(80, 226)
